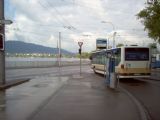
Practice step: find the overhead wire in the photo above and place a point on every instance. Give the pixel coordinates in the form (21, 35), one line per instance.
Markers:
(81, 5)
(40, 24)
(55, 9)
(57, 16)
(74, 3)
(46, 8)
(35, 33)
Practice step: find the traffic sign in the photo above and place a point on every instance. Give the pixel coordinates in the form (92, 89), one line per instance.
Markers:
(7, 22)
(1, 42)
(80, 44)
(79, 50)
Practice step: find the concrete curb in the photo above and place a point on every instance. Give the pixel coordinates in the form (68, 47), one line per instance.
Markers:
(13, 83)
(144, 114)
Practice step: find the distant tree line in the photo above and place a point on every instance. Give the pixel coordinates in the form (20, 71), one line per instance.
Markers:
(84, 55)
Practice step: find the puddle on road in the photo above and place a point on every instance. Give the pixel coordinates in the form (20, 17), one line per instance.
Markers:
(98, 87)
(77, 77)
(40, 85)
(16, 97)
(2, 107)
(87, 84)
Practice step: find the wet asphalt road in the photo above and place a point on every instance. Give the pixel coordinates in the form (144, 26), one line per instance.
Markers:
(145, 91)
(88, 98)
(12, 74)
(69, 97)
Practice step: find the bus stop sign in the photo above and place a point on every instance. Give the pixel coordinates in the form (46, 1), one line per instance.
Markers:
(80, 44)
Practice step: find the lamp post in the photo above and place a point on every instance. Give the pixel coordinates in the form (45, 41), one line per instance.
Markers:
(3, 22)
(2, 60)
(59, 51)
(114, 34)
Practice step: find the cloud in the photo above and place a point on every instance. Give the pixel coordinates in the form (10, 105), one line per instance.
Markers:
(40, 21)
(92, 6)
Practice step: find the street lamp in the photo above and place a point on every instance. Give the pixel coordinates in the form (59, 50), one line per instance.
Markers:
(109, 23)
(114, 34)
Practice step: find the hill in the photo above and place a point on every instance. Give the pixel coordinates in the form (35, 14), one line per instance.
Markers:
(22, 47)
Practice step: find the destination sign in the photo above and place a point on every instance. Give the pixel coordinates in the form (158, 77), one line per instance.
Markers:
(101, 43)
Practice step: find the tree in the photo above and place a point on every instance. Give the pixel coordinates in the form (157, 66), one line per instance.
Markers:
(84, 55)
(153, 45)
(150, 17)
(119, 45)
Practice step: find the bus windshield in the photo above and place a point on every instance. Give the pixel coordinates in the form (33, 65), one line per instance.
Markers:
(138, 54)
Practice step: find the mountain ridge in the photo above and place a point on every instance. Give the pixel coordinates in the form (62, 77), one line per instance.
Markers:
(24, 47)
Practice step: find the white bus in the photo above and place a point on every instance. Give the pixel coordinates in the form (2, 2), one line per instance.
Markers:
(130, 61)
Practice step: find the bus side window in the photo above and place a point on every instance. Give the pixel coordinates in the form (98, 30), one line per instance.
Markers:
(94, 58)
(103, 59)
(97, 59)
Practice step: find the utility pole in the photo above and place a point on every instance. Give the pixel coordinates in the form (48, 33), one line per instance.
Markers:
(114, 35)
(57, 55)
(59, 49)
(2, 51)
(108, 44)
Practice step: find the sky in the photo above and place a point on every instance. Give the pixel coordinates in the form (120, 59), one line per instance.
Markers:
(41, 22)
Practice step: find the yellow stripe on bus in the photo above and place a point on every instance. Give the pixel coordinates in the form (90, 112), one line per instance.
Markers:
(132, 70)
(125, 70)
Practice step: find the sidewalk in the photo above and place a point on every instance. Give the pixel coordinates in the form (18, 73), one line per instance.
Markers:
(66, 98)
(88, 98)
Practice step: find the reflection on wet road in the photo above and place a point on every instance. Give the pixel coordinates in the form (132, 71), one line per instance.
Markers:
(26, 98)
(67, 97)
(147, 92)
(12, 74)
(73, 96)
(2, 105)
